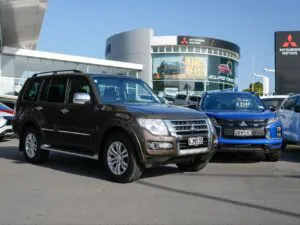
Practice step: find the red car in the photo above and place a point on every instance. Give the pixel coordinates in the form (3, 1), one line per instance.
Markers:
(225, 69)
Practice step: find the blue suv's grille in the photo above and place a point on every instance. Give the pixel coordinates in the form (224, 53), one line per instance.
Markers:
(243, 123)
(256, 126)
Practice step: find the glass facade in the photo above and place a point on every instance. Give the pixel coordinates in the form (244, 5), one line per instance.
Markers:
(191, 72)
(16, 69)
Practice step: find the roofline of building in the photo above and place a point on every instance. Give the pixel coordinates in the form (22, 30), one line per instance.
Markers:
(70, 58)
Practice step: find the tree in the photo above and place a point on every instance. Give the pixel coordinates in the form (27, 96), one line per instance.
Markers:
(257, 88)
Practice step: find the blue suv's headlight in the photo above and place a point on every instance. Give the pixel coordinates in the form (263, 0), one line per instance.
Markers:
(273, 120)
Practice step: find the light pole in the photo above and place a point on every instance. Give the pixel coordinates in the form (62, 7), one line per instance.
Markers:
(253, 67)
(266, 83)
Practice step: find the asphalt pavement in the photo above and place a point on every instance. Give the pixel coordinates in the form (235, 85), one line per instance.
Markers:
(232, 189)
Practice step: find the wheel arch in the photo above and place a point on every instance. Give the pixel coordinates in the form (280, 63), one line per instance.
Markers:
(128, 132)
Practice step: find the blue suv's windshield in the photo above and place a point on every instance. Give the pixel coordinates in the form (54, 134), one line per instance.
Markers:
(232, 102)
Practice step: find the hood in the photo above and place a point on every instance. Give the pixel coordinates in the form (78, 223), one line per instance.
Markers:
(161, 111)
(241, 115)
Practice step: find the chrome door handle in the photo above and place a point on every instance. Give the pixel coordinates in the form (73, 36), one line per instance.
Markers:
(64, 111)
(39, 108)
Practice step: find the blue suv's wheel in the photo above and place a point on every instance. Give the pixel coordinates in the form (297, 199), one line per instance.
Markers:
(272, 157)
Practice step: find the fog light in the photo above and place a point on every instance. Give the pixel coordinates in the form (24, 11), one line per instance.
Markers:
(279, 131)
(159, 145)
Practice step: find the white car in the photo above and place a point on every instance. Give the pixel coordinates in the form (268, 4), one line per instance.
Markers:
(6, 117)
(273, 100)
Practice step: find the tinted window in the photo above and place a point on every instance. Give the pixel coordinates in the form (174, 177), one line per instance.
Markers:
(290, 103)
(232, 102)
(182, 97)
(45, 89)
(57, 90)
(195, 99)
(273, 102)
(32, 90)
(78, 85)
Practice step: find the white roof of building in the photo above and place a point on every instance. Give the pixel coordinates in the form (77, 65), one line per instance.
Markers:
(164, 40)
(71, 58)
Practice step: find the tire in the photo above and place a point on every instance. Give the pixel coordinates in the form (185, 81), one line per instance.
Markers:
(272, 157)
(195, 165)
(31, 147)
(120, 160)
(283, 147)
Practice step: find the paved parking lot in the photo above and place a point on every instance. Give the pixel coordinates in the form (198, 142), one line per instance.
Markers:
(232, 189)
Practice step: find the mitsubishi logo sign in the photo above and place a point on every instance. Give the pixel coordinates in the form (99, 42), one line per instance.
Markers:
(289, 46)
(289, 42)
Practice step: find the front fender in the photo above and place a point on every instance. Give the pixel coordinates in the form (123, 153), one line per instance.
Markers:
(125, 127)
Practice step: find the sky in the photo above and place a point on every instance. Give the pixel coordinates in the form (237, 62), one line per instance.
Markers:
(80, 27)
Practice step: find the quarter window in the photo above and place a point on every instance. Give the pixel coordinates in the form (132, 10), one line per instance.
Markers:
(32, 91)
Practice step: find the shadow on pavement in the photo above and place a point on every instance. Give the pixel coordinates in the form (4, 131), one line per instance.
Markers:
(291, 154)
(237, 157)
(221, 199)
(92, 168)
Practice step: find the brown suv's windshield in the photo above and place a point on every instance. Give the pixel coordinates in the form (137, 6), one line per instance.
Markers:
(120, 90)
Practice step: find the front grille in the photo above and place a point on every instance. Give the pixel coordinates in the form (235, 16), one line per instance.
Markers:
(243, 123)
(188, 127)
(183, 144)
(256, 126)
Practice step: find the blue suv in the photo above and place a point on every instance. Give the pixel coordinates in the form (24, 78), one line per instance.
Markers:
(243, 123)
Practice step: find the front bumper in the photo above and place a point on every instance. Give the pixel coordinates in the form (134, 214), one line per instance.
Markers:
(6, 132)
(263, 145)
(179, 151)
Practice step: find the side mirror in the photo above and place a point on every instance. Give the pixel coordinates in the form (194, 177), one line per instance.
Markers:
(297, 109)
(81, 98)
(272, 108)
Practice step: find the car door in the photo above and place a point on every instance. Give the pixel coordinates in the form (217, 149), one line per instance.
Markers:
(77, 122)
(50, 103)
(287, 116)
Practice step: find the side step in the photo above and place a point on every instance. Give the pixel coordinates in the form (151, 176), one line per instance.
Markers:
(51, 149)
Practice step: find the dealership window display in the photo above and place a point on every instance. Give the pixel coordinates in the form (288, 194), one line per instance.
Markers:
(192, 73)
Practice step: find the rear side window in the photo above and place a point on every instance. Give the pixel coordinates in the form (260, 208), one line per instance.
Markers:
(57, 90)
(32, 90)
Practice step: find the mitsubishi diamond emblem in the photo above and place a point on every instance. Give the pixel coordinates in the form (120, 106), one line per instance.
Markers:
(243, 124)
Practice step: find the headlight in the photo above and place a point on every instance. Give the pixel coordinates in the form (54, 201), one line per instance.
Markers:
(2, 121)
(154, 126)
(273, 120)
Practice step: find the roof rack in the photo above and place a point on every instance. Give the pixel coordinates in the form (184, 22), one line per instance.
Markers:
(56, 72)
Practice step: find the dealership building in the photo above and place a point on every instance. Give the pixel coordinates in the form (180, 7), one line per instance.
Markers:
(177, 63)
(20, 25)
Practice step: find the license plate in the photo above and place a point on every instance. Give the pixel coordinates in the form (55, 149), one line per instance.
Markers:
(243, 133)
(195, 141)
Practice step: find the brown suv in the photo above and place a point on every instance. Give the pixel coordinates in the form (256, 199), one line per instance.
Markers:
(113, 118)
